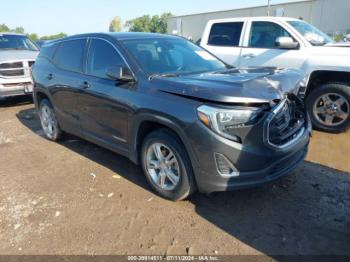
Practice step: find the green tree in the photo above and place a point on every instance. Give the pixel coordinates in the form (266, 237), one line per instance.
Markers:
(51, 37)
(146, 23)
(4, 28)
(159, 24)
(33, 36)
(19, 30)
(140, 24)
(339, 37)
(116, 25)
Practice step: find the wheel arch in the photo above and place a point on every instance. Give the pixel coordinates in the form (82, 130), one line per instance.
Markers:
(39, 95)
(318, 119)
(320, 77)
(148, 123)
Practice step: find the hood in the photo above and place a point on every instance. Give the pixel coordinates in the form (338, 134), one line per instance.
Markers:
(341, 44)
(10, 55)
(331, 50)
(254, 85)
(328, 57)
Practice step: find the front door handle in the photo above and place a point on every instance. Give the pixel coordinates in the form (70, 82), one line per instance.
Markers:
(249, 56)
(84, 85)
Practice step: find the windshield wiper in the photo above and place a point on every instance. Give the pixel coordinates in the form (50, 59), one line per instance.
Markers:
(225, 71)
(162, 75)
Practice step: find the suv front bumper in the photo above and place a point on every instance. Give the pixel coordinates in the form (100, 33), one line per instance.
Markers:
(255, 161)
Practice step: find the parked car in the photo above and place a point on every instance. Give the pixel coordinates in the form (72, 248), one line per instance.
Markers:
(17, 55)
(188, 118)
(290, 43)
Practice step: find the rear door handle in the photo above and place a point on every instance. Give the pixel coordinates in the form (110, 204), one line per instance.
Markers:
(49, 76)
(249, 56)
(84, 85)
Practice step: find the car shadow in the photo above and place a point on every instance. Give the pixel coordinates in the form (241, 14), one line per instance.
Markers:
(305, 213)
(116, 163)
(15, 101)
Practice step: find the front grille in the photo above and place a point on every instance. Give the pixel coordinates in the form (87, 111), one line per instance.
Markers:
(14, 69)
(30, 63)
(12, 72)
(288, 122)
(11, 65)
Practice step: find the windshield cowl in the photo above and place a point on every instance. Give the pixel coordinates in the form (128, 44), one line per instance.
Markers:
(162, 75)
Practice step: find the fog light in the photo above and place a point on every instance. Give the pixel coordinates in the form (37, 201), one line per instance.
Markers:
(224, 166)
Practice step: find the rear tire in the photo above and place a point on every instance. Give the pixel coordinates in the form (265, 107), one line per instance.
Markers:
(166, 165)
(329, 107)
(48, 120)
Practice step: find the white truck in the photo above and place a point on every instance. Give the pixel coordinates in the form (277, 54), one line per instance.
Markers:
(290, 43)
(17, 55)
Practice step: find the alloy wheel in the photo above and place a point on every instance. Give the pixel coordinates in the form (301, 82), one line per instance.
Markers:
(331, 109)
(48, 121)
(162, 166)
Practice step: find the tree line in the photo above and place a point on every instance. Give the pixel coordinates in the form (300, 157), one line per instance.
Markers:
(146, 23)
(33, 36)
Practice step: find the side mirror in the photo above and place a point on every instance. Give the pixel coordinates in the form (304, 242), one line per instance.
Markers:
(120, 73)
(286, 42)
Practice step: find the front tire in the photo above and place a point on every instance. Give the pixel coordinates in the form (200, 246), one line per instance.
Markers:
(167, 166)
(48, 120)
(329, 107)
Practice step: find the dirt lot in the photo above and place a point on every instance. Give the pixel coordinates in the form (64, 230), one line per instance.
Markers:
(77, 198)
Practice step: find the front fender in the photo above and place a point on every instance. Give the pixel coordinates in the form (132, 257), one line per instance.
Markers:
(165, 121)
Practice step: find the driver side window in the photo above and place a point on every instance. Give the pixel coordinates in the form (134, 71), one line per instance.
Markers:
(265, 34)
(102, 55)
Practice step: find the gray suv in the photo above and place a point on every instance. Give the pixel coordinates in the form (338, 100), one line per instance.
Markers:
(17, 55)
(192, 121)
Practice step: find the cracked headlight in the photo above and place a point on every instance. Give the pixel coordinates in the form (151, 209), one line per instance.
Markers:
(225, 121)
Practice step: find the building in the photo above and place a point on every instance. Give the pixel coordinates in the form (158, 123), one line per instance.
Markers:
(331, 16)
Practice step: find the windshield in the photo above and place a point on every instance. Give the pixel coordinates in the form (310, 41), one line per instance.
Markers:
(171, 56)
(17, 42)
(311, 33)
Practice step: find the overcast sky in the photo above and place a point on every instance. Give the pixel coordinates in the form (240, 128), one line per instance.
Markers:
(46, 17)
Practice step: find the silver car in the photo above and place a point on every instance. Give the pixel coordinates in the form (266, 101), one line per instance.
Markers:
(17, 55)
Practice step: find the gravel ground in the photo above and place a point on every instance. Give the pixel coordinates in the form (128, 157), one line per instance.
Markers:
(77, 198)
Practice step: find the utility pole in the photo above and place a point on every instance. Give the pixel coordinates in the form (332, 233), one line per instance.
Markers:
(268, 7)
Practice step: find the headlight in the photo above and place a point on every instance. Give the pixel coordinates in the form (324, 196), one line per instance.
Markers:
(225, 121)
(303, 82)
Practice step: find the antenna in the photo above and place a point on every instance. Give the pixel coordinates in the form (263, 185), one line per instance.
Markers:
(268, 7)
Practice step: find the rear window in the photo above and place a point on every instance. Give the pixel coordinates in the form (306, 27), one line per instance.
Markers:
(225, 34)
(48, 50)
(70, 55)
